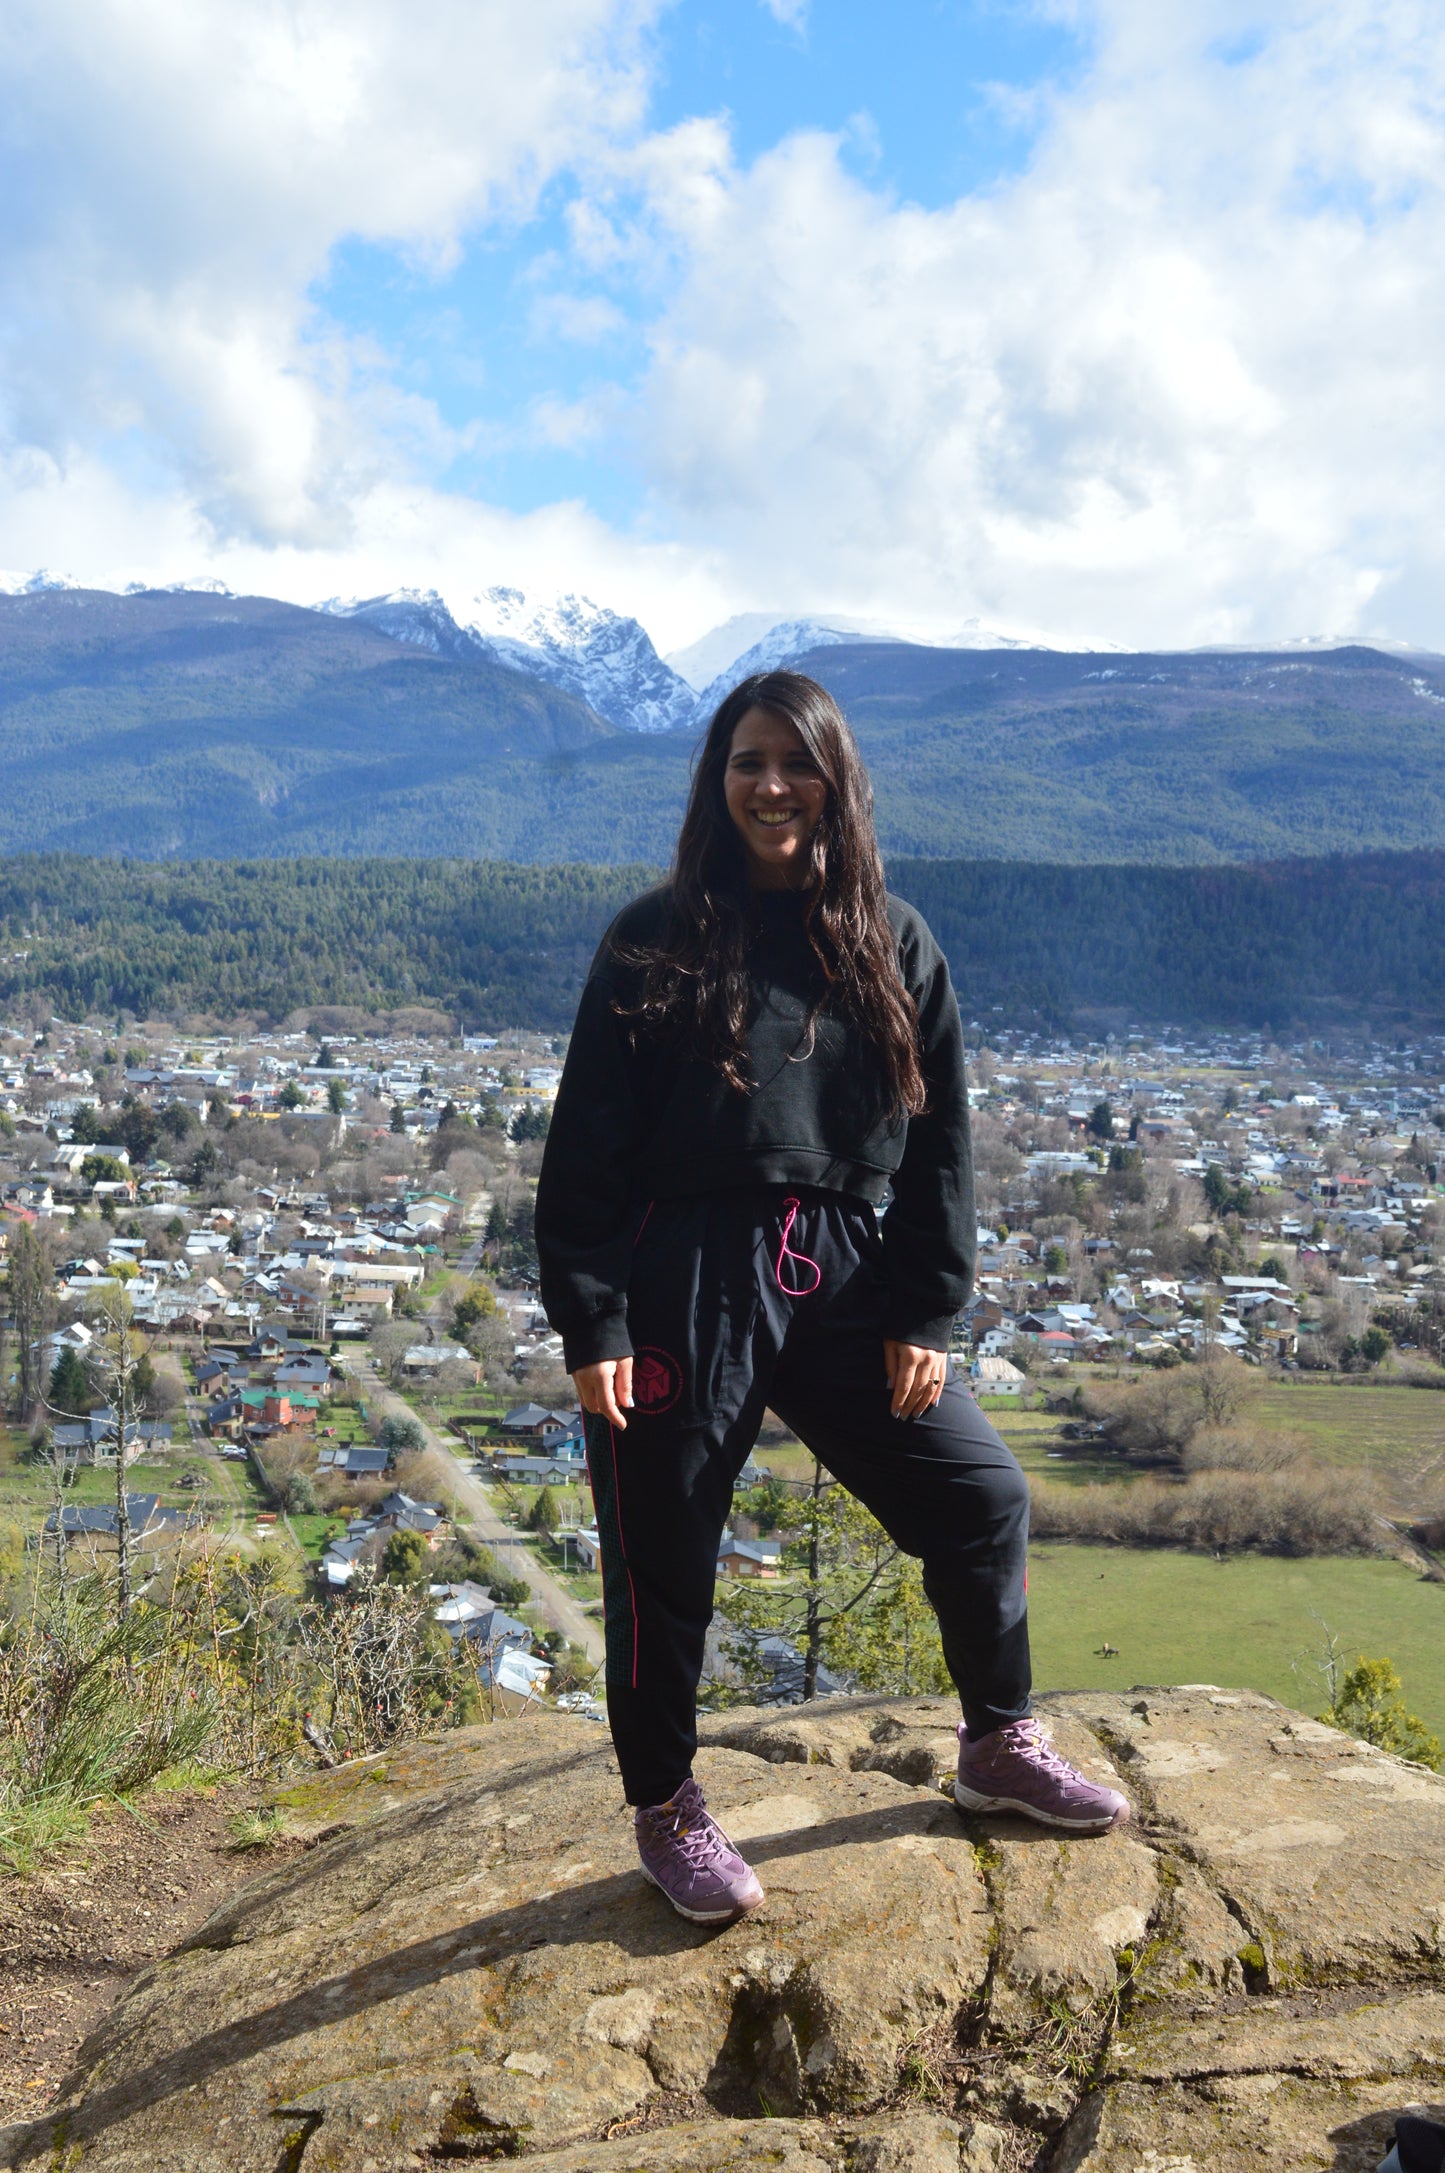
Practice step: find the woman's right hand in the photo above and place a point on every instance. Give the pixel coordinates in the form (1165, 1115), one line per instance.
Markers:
(606, 1389)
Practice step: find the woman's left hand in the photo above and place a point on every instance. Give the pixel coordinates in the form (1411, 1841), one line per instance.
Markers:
(915, 1376)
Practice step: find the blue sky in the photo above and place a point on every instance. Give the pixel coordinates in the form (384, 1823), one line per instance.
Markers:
(922, 76)
(955, 109)
(1086, 320)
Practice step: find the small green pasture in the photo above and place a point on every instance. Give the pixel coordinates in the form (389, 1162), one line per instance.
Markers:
(1240, 1622)
(480, 1403)
(26, 1487)
(314, 1533)
(1030, 1433)
(1033, 1434)
(1379, 1423)
(341, 1422)
(785, 1459)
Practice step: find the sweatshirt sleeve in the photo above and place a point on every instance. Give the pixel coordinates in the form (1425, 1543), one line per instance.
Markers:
(930, 1238)
(583, 1215)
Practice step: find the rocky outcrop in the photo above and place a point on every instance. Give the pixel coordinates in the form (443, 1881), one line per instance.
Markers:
(464, 1964)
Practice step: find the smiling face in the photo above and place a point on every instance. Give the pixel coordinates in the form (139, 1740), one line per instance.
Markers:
(776, 795)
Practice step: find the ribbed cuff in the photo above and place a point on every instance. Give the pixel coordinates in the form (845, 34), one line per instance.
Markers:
(597, 1340)
(928, 1335)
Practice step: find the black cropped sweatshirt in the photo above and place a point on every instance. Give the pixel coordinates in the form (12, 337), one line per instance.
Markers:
(637, 1121)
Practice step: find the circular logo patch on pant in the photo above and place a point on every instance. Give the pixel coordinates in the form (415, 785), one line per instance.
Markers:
(656, 1381)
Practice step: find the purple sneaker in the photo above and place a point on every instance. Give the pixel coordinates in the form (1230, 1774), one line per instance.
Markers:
(1016, 1768)
(690, 1859)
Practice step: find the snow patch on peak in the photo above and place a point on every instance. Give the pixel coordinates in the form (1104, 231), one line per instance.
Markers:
(724, 656)
(784, 639)
(416, 616)
(200, 584)
(35, 584)
(755, 642)
(973, 634)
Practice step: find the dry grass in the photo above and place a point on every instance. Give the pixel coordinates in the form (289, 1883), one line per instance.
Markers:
(1292, 1511)
(1245, 1448)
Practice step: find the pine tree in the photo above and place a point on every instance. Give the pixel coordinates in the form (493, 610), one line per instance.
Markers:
(69, 1391)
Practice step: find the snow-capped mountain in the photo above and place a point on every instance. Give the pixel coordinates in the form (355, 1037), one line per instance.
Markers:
(786, 638)
(706, 659)
(593, 652)
(604, 658)
(34, 584)
(415, 616)
(571, 642)
(200, 584)
(755, 642)
(722, 654)
(42, 580)
(973, 634)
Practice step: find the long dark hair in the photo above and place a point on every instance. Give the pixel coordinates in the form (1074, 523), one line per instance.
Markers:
(695, 987)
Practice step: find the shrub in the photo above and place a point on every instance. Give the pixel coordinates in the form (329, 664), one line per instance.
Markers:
(1155, 1420)
(91, 1708)
(1289, 1512)
(405, 1558)
(1242, 1448)
(477, 1303)
(398, 1433)
(467, 1557)
(1150, 1422)
(426, 1475)
(299, 1495)
(1367, 1703)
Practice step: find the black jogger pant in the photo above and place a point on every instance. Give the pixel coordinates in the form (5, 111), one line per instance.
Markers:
(730, 1311)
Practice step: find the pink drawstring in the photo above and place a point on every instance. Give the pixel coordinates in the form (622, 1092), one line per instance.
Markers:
(785, 1252)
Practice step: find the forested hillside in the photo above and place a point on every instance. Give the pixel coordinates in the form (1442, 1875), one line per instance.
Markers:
(1323, 941)
(195, 726)
(1168, 759)
(176, 726)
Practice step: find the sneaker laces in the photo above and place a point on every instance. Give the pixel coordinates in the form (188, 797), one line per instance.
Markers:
(1028, 1739)
(692, 1828)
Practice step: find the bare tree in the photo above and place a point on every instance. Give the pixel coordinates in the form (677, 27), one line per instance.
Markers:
(115, 1365)
(60, 1470)
(32, 1303)
(317, 1289)
(390, 1340)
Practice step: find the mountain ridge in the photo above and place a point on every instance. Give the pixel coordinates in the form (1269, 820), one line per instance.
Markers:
(184, 722)
(602, 658)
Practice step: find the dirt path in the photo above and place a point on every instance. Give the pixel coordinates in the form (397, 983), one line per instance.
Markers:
(74, 1934)
(554, 1602)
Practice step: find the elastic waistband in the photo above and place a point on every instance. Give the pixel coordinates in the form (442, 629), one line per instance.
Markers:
(763, 1196)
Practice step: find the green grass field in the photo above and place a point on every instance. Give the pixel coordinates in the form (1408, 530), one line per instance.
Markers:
(1357, 1422)
(25, 1487)
(340, 1422)
(1179, 1617)
(1245, 1621)
(314, 1532)
(439, 1411)
(1029, 1433)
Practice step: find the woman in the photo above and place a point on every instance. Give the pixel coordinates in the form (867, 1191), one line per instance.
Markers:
(767, 1046)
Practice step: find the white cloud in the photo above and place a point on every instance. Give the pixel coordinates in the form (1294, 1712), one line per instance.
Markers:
(1178, 381)
(182, 172)
(792, 14)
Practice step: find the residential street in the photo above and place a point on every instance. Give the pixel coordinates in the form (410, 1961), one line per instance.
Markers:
(556, 1605)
